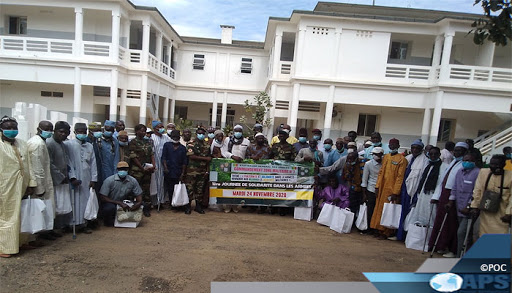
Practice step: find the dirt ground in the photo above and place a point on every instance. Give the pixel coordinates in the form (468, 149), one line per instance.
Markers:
(174, 252)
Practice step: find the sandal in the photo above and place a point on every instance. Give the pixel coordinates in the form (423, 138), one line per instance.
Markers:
(5, 255)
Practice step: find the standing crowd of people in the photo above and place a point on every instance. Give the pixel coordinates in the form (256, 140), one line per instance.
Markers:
(438, 188)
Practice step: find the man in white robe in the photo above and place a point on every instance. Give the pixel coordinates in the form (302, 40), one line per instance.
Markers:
(159, 139)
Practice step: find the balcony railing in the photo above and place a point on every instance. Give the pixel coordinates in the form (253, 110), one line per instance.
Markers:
(160, 67)
(36, 45)
(408, 71)
(477, 73)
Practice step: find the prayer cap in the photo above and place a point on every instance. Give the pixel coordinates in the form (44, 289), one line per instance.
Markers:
(110, 123)
(377, 150)
(211, 129)
(394, 140)
(316, 130)
(368, 143)
(218, 131)
(80, 126)
(154, 123)
(351, 144)
(238, 126)
(418, 142)
(62, 125)
(7, 119)
(148, 130)
(122, 164)
(259, 134)
(462, 144)
(171, 124)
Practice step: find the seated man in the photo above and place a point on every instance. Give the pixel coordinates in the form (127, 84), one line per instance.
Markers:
(117, 188)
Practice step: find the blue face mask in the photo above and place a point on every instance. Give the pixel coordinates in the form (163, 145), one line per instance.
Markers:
(327, 147)
(238, 134)
(509, 156)
(10, 133)
(468, 165)
(458, 159)
(161, 130)
(200, 136)
(108, 133)
(46, 134)
(81, 136)
(393, 151)
(122, 173)
(146, 137)
(122, 143)
(377, 144)
(211, 135)
(303, 139)
(317, 137)
(97, 134)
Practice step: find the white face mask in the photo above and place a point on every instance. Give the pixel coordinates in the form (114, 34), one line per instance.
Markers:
(350, 151)
(376, 158)
(174, 141)
(169, 131)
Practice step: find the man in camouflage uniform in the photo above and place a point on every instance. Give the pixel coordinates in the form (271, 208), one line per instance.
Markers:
(198, 152)
(141, 156)
(283, 150)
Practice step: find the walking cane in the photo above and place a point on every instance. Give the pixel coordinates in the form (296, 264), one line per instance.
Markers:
(439, 234)
(73, 210)
(428, 227)
(465, 244)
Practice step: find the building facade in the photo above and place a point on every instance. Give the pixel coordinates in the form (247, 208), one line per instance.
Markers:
(406, 73)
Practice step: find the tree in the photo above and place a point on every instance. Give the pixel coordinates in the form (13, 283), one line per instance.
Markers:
(259, 110)
(497, 24)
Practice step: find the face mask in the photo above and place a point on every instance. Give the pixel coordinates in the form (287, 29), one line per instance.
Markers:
(161, 130)
(169, 131)
(218, 141)
(468, 165)
(352, 163)
(97, 134)
(433, 161)
(377, 144)
(327, 147)
(146, 137)
(46, 134)
(212, 135)
(81, 136)
(317, 137)
(238, 134)
(122, 143)
(349, 151)
(458, 159)
(340, 151)
(302, 139)
(122, 173)
(10, 133)
(107, 133)
(376, 158)
(200, 136)
(394, 151)
(174, 141)
(509, 156)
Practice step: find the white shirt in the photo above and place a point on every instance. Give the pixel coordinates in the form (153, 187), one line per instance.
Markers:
(238, 150)
(370, 174)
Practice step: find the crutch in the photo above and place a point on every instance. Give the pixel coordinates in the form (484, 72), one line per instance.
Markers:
(73, 209)
(428, 227)
(465, 244)
(439, 234)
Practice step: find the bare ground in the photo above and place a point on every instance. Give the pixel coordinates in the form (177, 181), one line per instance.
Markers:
(174, 252)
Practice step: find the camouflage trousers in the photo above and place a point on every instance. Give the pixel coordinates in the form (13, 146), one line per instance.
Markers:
(144, 180)
(195, 186)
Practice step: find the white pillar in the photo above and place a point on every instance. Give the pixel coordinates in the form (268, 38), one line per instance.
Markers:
(426, 126)
(436, 57)
(169, 52)
(165, 112)
(485, 55)
(79, 30)
(300, 51)
(116, 28)
(146, 29)
(159, 42)
(143, 100)
(122, 106)
(294, 108)
(126, 30)
(173, 109)
(214, 110)
(336, 69)
(113, 94)
(328, 112)
(445, 59)
(224, 114)
(278, 41)
(77, 93)
(436, 119)
(273, 95)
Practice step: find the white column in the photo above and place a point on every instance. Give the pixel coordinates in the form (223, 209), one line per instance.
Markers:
(165, 112)
(146, 29)
(436, 119)
(445, 59)
(79, 30)
(116, 29)
(173, 109)
(336, 69)
(273, 97)
(77, 93)
(224, 110)
(126, 30)
(122, 106)
(159, 42)
(214, 110)
(278, 41)
(436, 57)
(426, 126)
(328, 112)
(143, 100)
(294, 108)
(113, 94)
(300, 51)
(485, 55)
(169, 52)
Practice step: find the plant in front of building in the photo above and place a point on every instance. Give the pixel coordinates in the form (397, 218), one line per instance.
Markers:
(182, 124)
(259, 110)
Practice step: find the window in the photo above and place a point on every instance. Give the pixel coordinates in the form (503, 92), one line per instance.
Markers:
(398, 50)
(366, 125)
(17, 25)
(246, 65)
(445, 130)
(52, 94)
(180, 112)
(198, 61)
(230, 116)
(104, 91)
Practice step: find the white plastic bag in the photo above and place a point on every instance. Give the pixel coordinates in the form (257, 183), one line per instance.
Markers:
(416, 236)
(408, 218)
(305, 214)
(128, 216)
(391, 215)
(349, 220)
(92, 207)
(180, 195)
(48, 214)
(62, 199)
(362, 218)
(338, 220)
(32, 218)
(325, 216)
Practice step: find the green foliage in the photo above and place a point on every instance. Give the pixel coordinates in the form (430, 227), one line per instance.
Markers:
(182, 124)
(228, 130)
(258, 110)
(496, 26)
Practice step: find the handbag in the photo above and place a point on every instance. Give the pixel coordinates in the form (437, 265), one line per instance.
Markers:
(362, 218)
(92, 207)
(491, 200)
(305, 214)
(338, 220)
(325, 216)
(180, 195)
(32, 219)
(349, 220)
(62, 199)
(408, 219)
(416, 236)
(391, 215)
(48, 214)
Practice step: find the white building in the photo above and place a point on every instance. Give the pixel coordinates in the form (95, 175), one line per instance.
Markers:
(406, 73)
